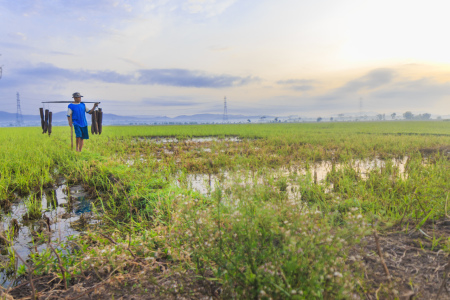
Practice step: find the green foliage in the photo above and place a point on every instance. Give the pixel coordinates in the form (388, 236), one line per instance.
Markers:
(268, 250)
(266, 227)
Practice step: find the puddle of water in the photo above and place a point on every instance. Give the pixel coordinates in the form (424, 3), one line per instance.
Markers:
(130, 162)
(55, 207)
(170, 150)
(160, 140)
(363, 167)
(207, 183)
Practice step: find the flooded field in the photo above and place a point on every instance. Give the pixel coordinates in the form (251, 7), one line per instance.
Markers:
(299, 211)
(317, 173)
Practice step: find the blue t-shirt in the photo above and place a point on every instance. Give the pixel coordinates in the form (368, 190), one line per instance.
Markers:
(78, 114)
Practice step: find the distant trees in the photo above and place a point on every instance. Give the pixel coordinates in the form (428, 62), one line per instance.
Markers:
(408, 115)
(381, 117)
(393, 116)
(425, 116)
(319, 119)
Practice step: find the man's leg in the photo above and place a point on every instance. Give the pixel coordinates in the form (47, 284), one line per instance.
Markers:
(79, 141)
(81, 144)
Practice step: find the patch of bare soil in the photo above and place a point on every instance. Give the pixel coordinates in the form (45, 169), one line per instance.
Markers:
(418, 268)
(134, 285)
(444, 150)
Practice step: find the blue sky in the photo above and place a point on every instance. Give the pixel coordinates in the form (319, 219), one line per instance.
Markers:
(285, 57)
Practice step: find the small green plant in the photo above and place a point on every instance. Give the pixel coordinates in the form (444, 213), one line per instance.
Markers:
(34, 208)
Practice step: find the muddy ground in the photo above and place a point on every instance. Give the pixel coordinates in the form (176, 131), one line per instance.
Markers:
(417, 268)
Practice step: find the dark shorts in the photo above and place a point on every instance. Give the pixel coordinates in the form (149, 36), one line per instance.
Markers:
(81, 132)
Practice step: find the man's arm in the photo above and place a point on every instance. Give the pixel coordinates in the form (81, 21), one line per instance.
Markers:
(92, 109)
(69, 116)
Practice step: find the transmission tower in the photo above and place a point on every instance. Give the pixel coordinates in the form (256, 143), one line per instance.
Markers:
(225, 112)
(19, 118)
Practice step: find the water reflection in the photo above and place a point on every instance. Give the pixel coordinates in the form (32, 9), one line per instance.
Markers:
(61, 209)
(207, 183)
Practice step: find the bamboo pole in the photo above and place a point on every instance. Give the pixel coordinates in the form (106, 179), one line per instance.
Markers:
(71, 132)
(67, 102)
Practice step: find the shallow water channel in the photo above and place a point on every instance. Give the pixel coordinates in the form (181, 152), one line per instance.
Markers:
(64, 216)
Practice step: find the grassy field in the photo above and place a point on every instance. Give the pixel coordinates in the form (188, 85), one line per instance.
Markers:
(288, 211)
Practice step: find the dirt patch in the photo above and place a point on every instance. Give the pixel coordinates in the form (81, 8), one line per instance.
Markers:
(416, 264)
(163, 284)
(444, 150)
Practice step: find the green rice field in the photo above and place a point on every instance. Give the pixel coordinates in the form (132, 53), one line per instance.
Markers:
(255, 211)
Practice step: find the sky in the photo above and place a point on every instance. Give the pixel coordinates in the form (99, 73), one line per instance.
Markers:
(267, 57)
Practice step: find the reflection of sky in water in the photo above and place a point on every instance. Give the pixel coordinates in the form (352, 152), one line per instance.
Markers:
(207, 183)
(166, 140)
(83, 206)
(55, 206)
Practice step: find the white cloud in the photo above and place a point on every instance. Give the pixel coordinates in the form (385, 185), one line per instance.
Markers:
(209, 8)
(18, 35)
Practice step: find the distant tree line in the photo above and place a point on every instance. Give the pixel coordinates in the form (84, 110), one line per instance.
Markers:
(410, 116)
(382, 117)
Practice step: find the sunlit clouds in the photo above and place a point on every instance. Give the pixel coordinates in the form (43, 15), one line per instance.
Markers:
(268, 57)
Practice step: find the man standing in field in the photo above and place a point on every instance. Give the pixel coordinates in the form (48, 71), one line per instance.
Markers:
(76, 115)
